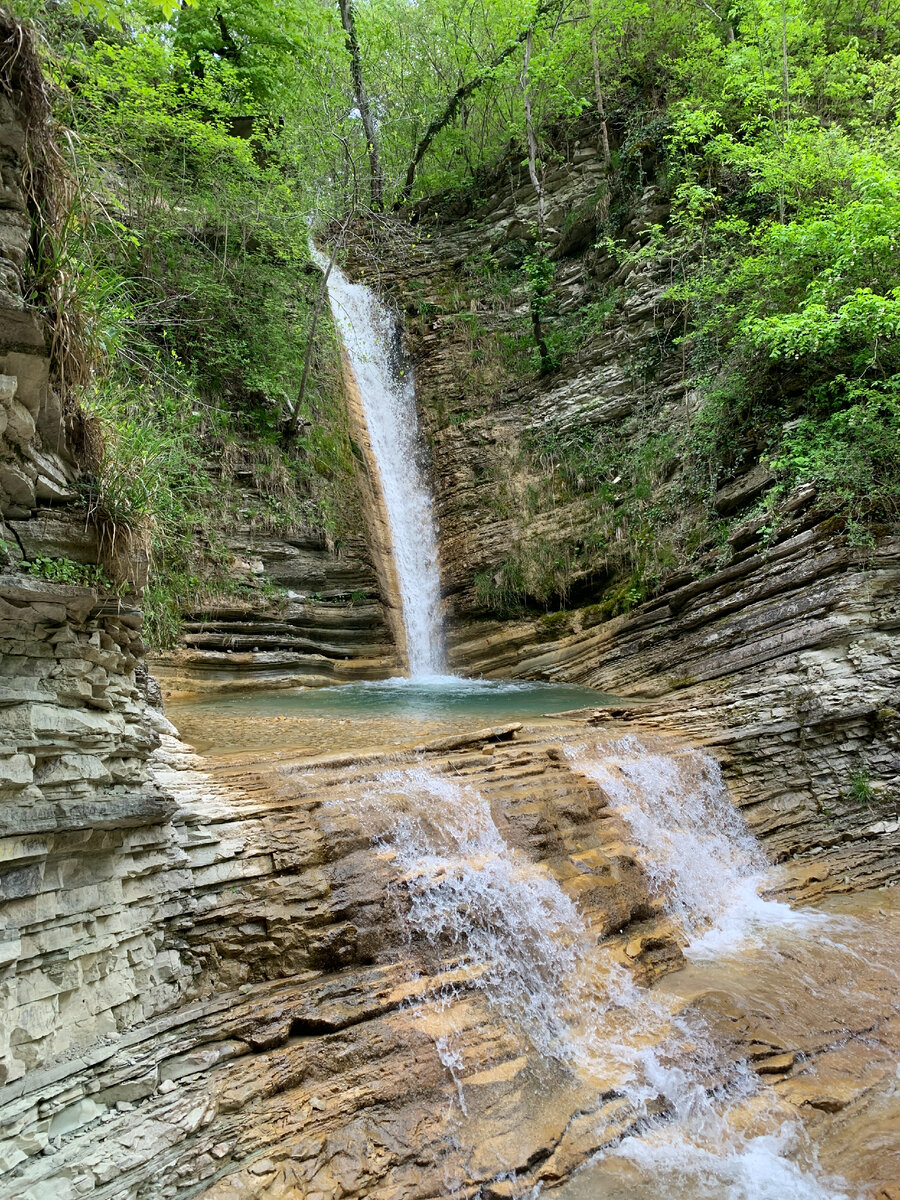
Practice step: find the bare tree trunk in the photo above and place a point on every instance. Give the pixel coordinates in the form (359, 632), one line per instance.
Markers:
(362, 100)
(295, 420)
(598, 92)
(786, 79)
(539, 286)
(709, 8)
(532, 140)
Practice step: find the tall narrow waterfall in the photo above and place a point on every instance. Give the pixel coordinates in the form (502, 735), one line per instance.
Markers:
(371, 339)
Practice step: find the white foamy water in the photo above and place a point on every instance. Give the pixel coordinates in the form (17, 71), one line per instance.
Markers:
(723, 1166)
(695, 847)
(469, 897)
(371, 339)
(472, 898)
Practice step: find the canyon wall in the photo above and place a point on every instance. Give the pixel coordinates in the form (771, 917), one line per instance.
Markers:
(775, 644)
(86, 875)
(295, 610)
(208, 984)
(310, 616)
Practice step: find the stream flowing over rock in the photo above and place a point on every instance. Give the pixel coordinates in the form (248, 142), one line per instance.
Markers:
(646, 948)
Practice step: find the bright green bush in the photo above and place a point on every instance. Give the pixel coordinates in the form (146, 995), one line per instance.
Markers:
(65, 570)
(849, 445)
(188, 248)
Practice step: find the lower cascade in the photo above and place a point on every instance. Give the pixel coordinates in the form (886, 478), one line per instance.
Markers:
(679, 1114)
(510, 959)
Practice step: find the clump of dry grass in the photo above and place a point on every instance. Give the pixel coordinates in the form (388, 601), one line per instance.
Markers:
(51, 199)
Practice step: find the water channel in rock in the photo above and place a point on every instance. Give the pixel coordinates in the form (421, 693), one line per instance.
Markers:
(764, 1068)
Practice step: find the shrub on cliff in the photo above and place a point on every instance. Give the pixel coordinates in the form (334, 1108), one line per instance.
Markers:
(187, 245)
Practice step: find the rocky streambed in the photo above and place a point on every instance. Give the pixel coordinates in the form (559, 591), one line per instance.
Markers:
(466, 969)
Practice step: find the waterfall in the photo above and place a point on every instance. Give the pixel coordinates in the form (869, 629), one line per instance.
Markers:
(467, 898)
(473, 898)
(371, 338)
(696, 849)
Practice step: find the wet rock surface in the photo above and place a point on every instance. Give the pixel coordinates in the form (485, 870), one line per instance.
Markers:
(321, 1045)
(314, 1034)
(786, 667)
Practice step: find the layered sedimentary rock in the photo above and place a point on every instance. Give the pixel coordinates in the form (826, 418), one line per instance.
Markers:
(785, 663)
(777, 648)
(83, 827)
(312, 1009)
(320, 1036)
(309, 616)
(35, 467)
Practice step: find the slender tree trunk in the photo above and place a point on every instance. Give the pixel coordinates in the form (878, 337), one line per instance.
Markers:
(786, 79)
(598, 92)
(709, 8)
(539, 286)
(532, 140)
(348, 20)
(539, 340)
(296, 420)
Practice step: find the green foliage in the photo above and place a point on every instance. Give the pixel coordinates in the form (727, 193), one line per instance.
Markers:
(849, 445)
(783, 164)
(861, 786)
(539, 274)
(536, 573)
(209, 135)
(188, 248)
(65, 570)
(629, 525)
(151, 474)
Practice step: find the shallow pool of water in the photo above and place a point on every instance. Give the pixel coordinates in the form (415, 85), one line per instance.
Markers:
(396, 713)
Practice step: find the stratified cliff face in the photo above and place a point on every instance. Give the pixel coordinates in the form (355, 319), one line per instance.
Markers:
(330, 1020)
(86, 866)
(294, 610)
(323, 621)
(274, 905)
(777, 646)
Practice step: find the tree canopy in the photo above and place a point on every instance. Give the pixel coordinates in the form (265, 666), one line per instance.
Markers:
(208, 136)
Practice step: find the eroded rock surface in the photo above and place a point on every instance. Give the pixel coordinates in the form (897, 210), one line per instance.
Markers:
(324, 622)
(316, 1024)
(323, 1036)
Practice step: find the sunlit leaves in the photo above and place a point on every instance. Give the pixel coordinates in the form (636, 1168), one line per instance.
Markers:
(116, 13)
